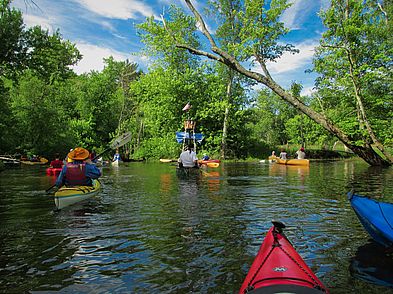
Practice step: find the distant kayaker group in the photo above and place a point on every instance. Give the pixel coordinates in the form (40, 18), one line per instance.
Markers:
(300, 154)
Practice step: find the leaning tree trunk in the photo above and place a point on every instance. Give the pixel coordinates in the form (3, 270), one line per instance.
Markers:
(367, 153)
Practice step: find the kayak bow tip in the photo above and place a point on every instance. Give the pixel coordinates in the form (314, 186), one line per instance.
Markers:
(350, 194)
(278, 225)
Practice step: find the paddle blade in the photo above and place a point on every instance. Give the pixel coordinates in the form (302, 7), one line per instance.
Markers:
(120, 141)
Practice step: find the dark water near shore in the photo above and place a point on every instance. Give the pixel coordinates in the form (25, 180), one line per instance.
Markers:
(150, 231)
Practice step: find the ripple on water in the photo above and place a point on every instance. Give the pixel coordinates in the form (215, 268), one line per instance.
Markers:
(149, 231)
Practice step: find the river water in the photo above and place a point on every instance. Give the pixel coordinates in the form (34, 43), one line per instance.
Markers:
(151, 231)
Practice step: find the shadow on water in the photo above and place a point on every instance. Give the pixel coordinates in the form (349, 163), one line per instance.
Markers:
(374, 264)
(378, 183)
(150, 231)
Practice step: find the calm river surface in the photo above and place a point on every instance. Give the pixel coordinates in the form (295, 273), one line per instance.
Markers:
(149, 231)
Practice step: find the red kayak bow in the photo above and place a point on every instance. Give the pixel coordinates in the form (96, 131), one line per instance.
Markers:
(278, 268)
(53, 171)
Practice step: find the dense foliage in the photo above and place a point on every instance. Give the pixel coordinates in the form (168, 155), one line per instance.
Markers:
(47, 108)
(259, 40)
(355, 60)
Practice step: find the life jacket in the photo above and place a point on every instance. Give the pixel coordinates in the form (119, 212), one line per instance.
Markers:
(56, 163)
(75, 175)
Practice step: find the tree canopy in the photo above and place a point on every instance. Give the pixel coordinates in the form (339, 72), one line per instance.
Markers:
(258, 42)
(48, 108)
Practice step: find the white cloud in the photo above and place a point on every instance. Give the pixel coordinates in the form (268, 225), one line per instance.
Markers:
(325, 4)
(296, 15)
(33, 20)
(290, 15)
(290, 67)
(93, 57)
(308, 91)
(292, 62)
(107, 25)
(119, 9)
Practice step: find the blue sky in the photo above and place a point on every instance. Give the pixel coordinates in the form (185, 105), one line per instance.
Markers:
(101, 28)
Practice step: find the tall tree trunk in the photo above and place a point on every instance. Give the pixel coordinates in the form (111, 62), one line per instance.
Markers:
(139, 134)
(226, 118)
(362, 112)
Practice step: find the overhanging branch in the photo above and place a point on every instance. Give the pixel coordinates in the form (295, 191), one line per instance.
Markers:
(200, 52)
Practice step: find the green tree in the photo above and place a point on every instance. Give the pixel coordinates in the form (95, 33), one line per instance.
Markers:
(355, 62)
(34, 48)
(259, 37)
(49, 55)
(219, 109)
(160, 96)
(12, 35)
(269, 116)
(35, 114)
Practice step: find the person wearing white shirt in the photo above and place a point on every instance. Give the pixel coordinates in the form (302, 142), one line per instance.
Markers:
(300, 153)
(188, 157)
(283, 154)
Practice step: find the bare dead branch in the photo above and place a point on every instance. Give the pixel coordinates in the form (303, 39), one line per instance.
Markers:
(201, 23)
(167, 29)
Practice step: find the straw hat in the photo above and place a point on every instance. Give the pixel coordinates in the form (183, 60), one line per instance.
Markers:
(78, 153)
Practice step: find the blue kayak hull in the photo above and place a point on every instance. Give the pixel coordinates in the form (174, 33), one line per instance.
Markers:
(375, 216)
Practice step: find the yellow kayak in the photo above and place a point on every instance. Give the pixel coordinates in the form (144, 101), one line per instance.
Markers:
(67, 196)
(303, 162)
(165, 160)
(41, 161)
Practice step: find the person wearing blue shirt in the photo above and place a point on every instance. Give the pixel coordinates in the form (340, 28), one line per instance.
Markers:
(117, 157)
(80, 171)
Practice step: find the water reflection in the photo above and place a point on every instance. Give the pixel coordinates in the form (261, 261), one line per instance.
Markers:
(165, 182)
(377, 179)
(372, 263)
(213, 180)
(281, 170)
(151, 231)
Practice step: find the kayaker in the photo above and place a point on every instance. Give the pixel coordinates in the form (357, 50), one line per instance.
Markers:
(117, 156)
(56, 163)
(67, 159)
(34, 158)
(300, 153)
(205, 157)
(283, 154)
(80, 171)
(188, 157)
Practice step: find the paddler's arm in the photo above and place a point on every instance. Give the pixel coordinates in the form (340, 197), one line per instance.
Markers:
(60, 178)
(91, 170)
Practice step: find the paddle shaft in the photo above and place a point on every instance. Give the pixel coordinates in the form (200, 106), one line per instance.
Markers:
(102, 153)
(118, 142)
(47, 190)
